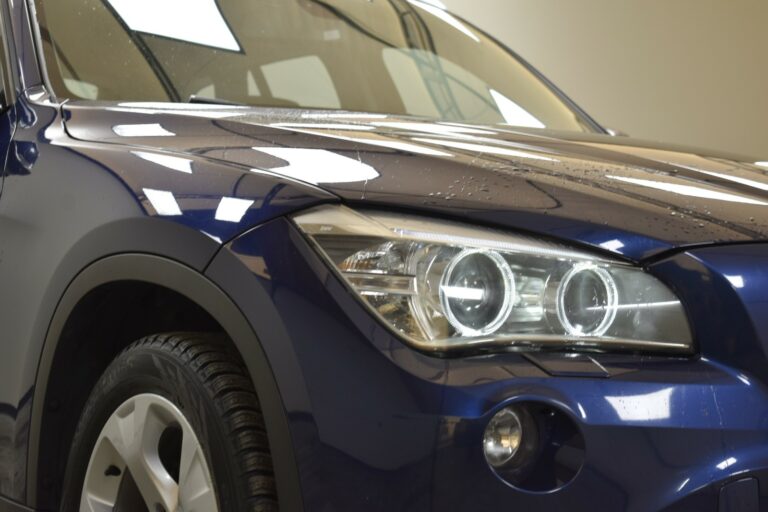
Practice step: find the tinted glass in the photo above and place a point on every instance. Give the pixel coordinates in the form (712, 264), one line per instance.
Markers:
(407, 57)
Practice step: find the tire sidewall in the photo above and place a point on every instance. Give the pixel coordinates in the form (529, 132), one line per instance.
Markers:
(146, 370)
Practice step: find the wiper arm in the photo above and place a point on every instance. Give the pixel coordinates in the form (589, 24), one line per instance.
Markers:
(214, 101)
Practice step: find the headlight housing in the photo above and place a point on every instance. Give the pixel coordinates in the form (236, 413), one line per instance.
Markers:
(445, 286)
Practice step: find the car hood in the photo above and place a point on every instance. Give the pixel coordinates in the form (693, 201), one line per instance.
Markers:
(621, 195)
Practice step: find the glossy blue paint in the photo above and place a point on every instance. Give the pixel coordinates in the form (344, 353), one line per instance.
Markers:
(661, 433)
(376, 425)
(616, 196)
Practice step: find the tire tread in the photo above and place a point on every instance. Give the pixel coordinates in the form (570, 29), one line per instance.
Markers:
(229, 386)
(218, 368)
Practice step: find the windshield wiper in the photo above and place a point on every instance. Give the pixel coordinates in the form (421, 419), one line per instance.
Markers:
(214, 101)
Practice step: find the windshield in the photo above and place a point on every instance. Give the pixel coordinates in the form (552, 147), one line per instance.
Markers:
(401, 57)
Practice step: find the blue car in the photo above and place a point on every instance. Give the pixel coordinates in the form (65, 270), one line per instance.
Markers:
(355, 255)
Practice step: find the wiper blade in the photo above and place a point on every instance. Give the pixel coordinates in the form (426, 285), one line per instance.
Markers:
(214, 101)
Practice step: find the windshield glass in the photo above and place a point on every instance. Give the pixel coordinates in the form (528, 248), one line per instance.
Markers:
(401, 57)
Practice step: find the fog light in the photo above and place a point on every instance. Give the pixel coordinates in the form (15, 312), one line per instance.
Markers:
(503, 437)
(534, 446)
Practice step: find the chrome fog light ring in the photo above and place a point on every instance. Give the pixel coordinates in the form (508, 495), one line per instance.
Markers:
(534, 445)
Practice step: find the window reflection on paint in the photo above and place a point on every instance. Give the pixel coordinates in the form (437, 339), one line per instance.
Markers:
(232, 209)
(644, 407)
(342, 115)
(319, 166)
(141, 130)
(690, 190)
(736, 179)
(402, 146)
(486, 149)
(683, 484)
(730, 461)
(434, 128)
(722, 169)
(325, 126)
(163, 202)
(375, 140)
(213, 237)
(614, 245)
(175, 163)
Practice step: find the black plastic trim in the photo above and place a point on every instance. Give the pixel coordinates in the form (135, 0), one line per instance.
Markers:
(568, 365)
(196, 287)
(12, 506)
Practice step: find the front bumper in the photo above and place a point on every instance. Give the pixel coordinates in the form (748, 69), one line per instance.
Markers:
(377, 426)
(656, 436)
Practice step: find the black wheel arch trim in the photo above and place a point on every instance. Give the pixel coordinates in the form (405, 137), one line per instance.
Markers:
(7, 505)
(201, 290)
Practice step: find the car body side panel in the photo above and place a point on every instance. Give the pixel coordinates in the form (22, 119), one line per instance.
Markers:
(363, 415)
(192, 284)
(732, 315)
(66, 205)
(723, 291)
(374, 425)
(11, 506)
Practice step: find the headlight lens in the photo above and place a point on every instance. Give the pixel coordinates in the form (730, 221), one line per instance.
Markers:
(587, 300)
(445, 286)
(477, 292)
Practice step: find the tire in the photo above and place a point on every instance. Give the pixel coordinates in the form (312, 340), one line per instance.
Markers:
(199, 378)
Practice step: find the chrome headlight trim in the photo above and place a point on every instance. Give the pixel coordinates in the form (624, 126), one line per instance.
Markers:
(397, 265)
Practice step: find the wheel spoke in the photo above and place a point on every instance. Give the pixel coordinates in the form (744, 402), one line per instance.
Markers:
(93, 504)
(135, 433)
(103, 477)
(129, 447)
(196, 492)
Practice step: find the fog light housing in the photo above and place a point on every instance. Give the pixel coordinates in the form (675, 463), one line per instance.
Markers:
(503, 437)
(533, 446)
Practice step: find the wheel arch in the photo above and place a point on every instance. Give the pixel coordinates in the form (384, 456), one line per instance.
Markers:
(200, 290)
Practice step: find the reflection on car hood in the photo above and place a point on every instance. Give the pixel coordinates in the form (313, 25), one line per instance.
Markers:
(628, 197)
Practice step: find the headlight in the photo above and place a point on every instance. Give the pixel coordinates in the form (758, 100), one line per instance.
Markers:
(445, 286)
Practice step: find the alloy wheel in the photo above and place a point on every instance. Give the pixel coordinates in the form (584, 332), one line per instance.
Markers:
(147, 457)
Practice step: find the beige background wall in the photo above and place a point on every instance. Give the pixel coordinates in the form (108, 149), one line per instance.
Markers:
(686, 71)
